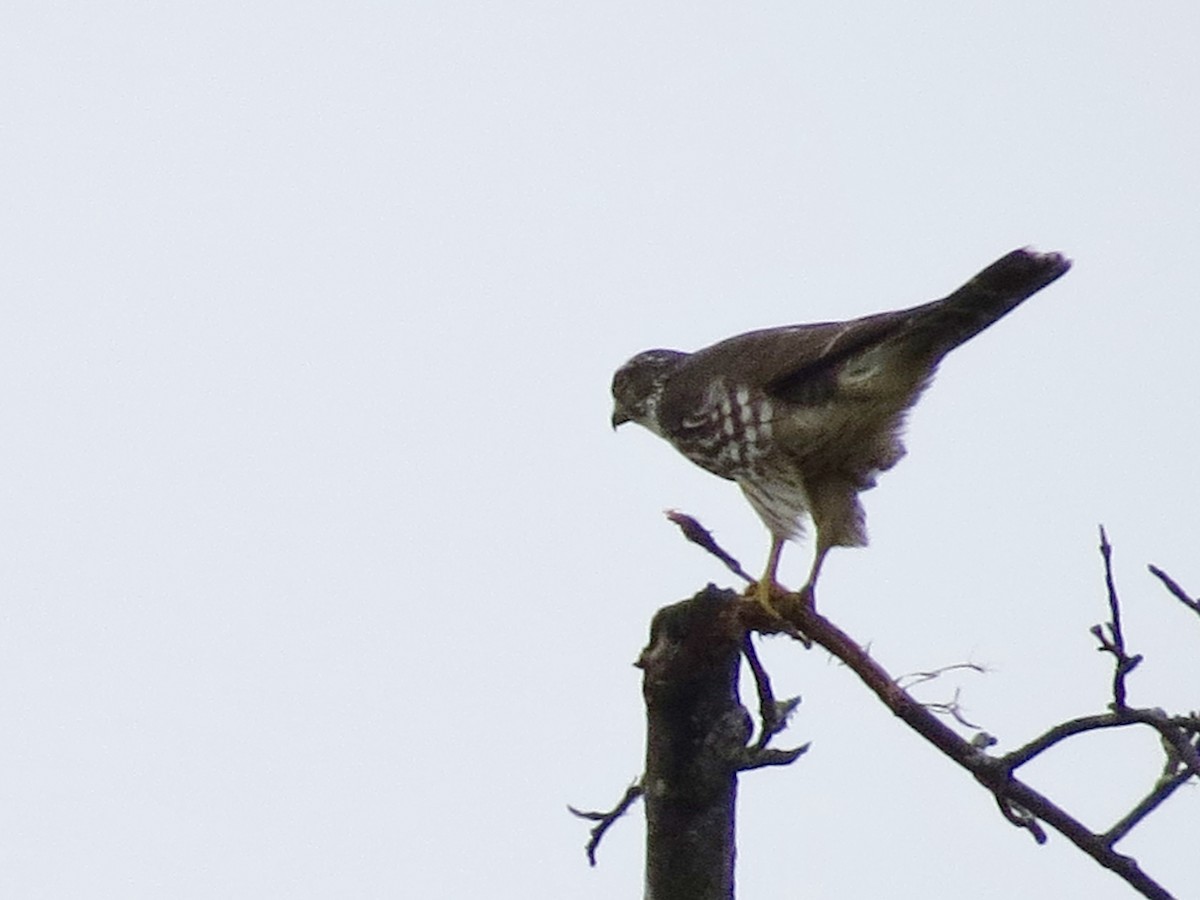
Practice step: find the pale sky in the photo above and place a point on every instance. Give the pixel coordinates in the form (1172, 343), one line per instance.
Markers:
(323, 572)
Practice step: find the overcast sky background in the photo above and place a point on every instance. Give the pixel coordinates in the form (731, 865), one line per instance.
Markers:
(322, 572)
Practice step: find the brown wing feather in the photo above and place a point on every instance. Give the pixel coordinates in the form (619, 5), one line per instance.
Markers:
(796, 363)
(801, 364)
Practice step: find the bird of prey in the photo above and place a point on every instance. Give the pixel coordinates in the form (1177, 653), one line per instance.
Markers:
(803, 417)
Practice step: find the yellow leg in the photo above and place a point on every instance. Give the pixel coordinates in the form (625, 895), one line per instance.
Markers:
(807, 593)
(762, 590)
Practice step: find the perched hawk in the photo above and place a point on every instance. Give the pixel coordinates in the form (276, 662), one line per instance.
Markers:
(803, 417)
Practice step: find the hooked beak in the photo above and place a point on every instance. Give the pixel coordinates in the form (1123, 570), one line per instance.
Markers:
(620, 417)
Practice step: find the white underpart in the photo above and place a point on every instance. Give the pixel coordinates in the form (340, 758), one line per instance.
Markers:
(780, 510)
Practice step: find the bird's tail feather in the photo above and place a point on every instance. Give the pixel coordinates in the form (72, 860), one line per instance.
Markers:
(990, 295)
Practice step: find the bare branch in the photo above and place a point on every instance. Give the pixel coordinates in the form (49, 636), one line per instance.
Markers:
(754, 758)
(698, 534)
(773, 714)
(953, 709)
(1178, 739)
(1040, 744)
(1114, 641)
(1165, 788)
(1022, 818)
(605, 820)
(1172, 586)
(1176, 734)
(912, 679)
(1020, 803)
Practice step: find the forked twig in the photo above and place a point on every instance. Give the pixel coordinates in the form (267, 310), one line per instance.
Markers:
(773, 714)
(605, 820)
(1110, 634)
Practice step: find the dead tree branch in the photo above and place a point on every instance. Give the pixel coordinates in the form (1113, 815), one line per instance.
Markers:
(699, 736)
(1179, 593)
(773, 714)
(697, 741)
(1110, 634)
(605, 820)
(1020, 804)
(701, 536)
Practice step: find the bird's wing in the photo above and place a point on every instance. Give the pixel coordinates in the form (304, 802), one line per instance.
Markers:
(812, 377)
(802, 364)
(799, 363)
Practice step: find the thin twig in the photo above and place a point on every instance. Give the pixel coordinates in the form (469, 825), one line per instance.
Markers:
(910, 680)
(1022, 818)
(1017, 758)
(768, 756)
(1114, 641)
(1165, 788)
(950, 708)
(1179, 593)
(953, 709)
(1175, 736)
(1175, 733)
(773, 714)
(698, 534)
(605, 820)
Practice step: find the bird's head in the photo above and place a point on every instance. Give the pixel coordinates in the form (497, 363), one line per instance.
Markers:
(638, 385)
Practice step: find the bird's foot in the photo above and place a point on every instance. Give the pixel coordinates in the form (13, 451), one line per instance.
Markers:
(773, 596)
(765, 591)
(779, 604)
(806, 596)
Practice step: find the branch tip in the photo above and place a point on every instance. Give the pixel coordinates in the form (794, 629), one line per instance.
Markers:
(701, 536)
(1176, 591)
